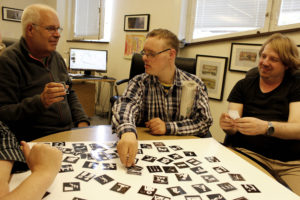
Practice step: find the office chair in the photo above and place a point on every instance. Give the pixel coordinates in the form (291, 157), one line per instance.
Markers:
(137, 67)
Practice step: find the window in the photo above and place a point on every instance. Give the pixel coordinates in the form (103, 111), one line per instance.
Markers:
(92, 19)
(214, 19)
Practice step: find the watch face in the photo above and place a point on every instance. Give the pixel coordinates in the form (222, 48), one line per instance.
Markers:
(270, 129)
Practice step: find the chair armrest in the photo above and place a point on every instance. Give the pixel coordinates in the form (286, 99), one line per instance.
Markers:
(122, 81)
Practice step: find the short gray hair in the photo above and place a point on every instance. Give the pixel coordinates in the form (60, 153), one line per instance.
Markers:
(32, 14)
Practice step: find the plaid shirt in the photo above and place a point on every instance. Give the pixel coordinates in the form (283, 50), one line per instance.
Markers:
(145, 99)
(9, 146)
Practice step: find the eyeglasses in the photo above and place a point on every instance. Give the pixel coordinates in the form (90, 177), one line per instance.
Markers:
(51, 29)
(152, 55)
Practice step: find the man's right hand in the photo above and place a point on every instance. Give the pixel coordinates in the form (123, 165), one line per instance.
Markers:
(127, 148)
(227, 123)
(53, 92)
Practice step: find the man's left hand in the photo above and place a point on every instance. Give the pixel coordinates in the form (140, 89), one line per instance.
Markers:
(251, 126)
(82, 124)
(157, 126)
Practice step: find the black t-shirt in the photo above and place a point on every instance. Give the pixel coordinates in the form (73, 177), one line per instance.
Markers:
(271, 106)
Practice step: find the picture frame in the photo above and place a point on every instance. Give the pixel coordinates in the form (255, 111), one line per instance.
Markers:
(138, 22)
(243, 56)
(134, 43)
(212, 71)
(11, 14)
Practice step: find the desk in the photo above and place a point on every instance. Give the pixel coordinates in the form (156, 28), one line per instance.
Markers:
(103, 133)
(86, 92)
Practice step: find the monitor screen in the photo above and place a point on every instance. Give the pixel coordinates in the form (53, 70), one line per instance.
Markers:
(88, 60)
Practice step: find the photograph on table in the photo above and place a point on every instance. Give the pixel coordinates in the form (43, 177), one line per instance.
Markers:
(212, 71)
(243, 56)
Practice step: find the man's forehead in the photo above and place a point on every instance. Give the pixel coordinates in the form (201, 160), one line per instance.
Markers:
(154, 44)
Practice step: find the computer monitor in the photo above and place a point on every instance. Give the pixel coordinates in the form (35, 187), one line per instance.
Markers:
(88, 60)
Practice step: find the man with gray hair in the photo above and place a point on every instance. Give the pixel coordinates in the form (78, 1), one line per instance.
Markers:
(34, 80)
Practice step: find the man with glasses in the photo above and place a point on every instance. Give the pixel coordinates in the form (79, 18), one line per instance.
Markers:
(154, 98)
(34, 80)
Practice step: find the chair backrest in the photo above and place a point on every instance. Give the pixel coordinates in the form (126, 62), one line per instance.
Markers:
(137, 65)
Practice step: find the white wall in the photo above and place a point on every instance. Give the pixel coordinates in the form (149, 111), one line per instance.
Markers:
(164, 14)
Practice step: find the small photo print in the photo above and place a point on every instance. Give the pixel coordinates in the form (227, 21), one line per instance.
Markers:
(192, 197)
(209, 178)
(189, 153)
(226, 187)
(149, 158)
(181, 165)
(175, 156)
(140, 151)
(71, 186)
(159, 144)
(201, 188)
(120, 188)
(175, 191)
(165, 160)
(103, 179)
(77, 198)
(154, 169)
(66, 168)
(212, 159)
(160, 179)
(170, 169)
(85, 176)
(220, 169)
(90, 165)
(198, 170)
(146, 190)
(215, 196)
(58, 144)
(162, 149)
(241, 198)
(175, 147)
(109, 166)
(160, 197)
(236, 177)
(193, 161)
(183, 177)
(250, 188)
(146, 146)
(71, 159)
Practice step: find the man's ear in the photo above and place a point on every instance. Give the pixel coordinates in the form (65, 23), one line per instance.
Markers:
(29, 29)
(173, 53)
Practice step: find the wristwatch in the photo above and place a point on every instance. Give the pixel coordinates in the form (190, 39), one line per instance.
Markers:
(270, 130)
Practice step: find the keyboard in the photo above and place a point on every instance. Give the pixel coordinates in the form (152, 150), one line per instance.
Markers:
(90, 77)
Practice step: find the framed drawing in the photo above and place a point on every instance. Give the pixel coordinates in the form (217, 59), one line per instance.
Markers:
(243, 56)
(134, 43)
(11, 14)
(212, 71)
(136, 22)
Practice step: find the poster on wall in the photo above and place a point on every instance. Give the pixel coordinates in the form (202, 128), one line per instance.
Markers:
(133, 44)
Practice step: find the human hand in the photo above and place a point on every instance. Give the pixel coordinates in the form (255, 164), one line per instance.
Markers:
(5, 171)
(227, 123)
(42, 158)
(156, 126)
(127, 148)
(82, 124)
(53, 92)
(251, 126)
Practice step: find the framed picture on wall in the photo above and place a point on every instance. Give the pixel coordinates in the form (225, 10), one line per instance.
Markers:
(136, 22)
(134, 43)
(243, 56)
(11, 14)
(212, 71)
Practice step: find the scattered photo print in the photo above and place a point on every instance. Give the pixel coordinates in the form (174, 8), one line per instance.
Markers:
(189, 153)
(227, 187)
(159, 144)
(135, 170)
(212, 159)
(250, 188)
(192, 197)
(198, 170)
(170, 169)
(162, 149)
(140, 151)
(58, 144)
(236, 177)
(90, 165)
(46, 194)
(160, 179)
(109, 166)
(112, 155)
(220, 169)
(209, 178)
(165, 160)
(66, 168)
(120, 188)
(201, 188)
(193, 161)
(103, 179)
(181, 165)
(146, 146)
(175, 191)
(95, 146)
(183, 177)
(215, 196)
(149, 158)
(146, 190)
(175, 147)
(160, 197)
(80, 147)
(175, 156)
(85, 176)
(154, 169)
(71, 186)
(77, 198)
(241, 198)
(67, 151)
(71, 159)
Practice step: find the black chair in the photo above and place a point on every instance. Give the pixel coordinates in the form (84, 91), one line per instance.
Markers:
(137, 67)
